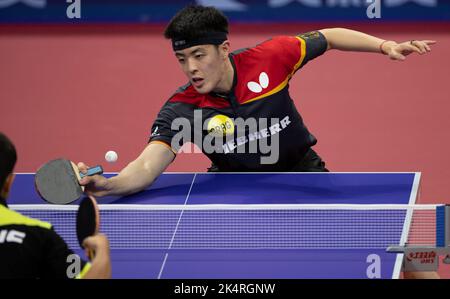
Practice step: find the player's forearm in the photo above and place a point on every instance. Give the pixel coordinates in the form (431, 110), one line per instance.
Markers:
(141, 173)
(133, 178)
(350, 40)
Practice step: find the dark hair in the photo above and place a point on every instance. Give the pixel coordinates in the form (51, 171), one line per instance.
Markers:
(8, 158)
(196, 21)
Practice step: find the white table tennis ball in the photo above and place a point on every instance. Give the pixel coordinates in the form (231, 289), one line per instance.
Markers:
(111, 156)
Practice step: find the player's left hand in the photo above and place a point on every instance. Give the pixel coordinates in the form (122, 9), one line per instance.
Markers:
(400, 51)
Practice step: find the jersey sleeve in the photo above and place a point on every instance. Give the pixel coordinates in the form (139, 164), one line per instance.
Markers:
(162, 130)
(315, 45)
(60, 262)
(293, 52)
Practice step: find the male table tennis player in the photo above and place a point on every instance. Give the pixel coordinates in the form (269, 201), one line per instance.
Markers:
(30, 248)
(248, 83)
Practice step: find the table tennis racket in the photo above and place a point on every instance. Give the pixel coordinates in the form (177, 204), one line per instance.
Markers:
(88, 221)
(57, 181)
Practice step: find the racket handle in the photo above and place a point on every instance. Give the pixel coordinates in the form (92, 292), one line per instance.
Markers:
(92, 171)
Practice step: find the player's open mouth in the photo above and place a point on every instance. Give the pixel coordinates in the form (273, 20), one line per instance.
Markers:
(197, 82)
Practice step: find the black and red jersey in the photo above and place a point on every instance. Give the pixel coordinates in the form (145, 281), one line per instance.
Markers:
(260, 91)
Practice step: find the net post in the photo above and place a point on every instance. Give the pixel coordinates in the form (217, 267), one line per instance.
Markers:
(440, 226)
(447, 226)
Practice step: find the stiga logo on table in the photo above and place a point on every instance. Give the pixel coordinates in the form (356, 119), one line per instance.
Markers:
(423, 257)
(420, 260)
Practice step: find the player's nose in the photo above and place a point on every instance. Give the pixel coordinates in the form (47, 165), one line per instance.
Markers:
(192, 66)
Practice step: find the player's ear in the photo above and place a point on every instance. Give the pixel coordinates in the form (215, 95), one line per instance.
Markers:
(7, 186)
(225, 49)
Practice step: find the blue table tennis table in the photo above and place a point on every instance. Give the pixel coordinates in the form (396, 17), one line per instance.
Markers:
(253, 189)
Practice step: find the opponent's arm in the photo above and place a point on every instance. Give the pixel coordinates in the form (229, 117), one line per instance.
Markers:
(101, 264)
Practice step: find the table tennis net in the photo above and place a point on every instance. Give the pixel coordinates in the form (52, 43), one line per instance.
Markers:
(250, 226)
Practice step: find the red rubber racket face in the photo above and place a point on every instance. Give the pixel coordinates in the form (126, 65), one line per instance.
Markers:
(88, 219)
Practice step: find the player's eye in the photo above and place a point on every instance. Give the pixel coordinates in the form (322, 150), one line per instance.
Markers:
(181, 60)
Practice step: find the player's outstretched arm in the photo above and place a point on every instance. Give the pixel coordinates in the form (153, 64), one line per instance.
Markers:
(351, 40)
(135, 177)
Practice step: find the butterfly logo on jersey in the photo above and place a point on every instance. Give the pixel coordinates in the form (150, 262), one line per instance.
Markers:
(263, 83)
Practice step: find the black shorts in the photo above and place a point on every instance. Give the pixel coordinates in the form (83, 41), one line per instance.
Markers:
(311, 162)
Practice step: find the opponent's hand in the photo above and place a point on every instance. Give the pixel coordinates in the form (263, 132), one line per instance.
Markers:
(94, 185)
(400, 51)
(97, 243)
(101, 262)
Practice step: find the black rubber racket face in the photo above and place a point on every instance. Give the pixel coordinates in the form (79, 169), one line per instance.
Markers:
(88, 219)
(57, 182)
